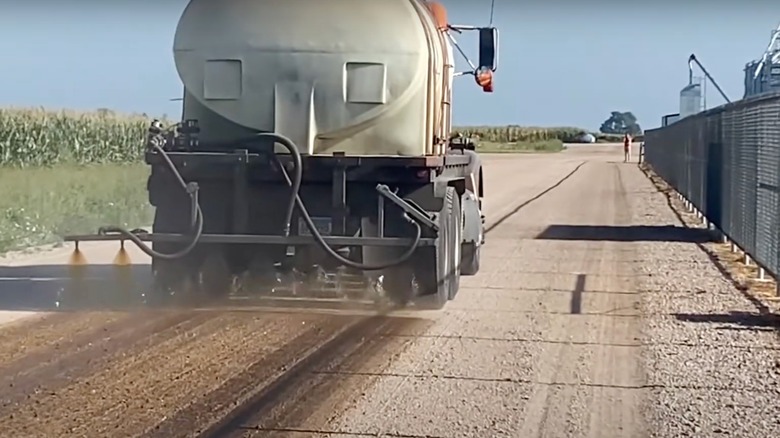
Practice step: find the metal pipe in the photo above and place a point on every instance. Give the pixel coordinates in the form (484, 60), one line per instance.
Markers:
(690, 70)
(692, 59)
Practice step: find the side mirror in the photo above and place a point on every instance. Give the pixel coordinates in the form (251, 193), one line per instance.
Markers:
(488, 48)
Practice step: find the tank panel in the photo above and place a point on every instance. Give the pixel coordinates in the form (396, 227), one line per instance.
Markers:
(359, 76)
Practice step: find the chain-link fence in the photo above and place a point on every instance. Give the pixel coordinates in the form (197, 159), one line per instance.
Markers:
(726, 161)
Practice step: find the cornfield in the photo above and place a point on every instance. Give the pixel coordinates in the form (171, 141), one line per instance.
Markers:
(38, 137)
(514, 134)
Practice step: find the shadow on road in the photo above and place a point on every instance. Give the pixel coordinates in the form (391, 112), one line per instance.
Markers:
(63, 287)
(740, 319)
(576, 295)
(632, 233)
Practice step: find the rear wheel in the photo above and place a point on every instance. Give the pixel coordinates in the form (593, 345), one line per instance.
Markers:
(434, 271)
(470, 258)
(260, 276)
(398, 284)
(169, 276)
(168, 279)
(457, 237)
(215, 275)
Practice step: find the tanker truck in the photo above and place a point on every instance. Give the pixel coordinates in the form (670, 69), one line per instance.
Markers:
(316, 138)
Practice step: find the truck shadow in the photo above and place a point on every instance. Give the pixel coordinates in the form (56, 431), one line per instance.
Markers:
(629, 233)
(61, 288)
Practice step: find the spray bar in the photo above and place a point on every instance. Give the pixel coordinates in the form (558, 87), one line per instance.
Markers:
(253, 238)
(409, 209)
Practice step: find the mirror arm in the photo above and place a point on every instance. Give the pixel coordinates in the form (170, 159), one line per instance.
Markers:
(460, 28)
(457, 46)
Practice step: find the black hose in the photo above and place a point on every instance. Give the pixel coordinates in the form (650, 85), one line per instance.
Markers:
(295, 185)
(198, 225)
(295, 199)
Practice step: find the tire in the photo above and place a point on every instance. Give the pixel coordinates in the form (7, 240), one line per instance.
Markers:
(427, 279)
(455, 256)
(169, 280)
(169, 277)
(433, 270)
(398, 285)
(470, 253)
(216, 277)
(260, 275)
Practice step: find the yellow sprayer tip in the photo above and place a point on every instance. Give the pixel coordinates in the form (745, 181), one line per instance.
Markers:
(122, 258)
(77, 258)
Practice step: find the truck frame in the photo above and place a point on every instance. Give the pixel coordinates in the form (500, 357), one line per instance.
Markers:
(414, 222)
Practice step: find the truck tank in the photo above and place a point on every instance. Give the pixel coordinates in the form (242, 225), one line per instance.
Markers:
(353, 76)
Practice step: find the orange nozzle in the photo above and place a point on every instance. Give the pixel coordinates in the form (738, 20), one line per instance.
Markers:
(122, 258)
(75, 288)
(77, 257)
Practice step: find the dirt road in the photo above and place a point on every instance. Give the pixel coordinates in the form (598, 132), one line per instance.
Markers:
(558, 336)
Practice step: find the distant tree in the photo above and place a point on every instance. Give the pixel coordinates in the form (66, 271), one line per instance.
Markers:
(621, 123)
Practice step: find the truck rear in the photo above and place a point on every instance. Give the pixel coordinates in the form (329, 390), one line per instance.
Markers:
(315, 155)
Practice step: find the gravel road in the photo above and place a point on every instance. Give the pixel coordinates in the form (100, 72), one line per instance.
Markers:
(591, 317)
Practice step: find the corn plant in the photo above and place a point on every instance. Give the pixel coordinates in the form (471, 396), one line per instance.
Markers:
(37, 137)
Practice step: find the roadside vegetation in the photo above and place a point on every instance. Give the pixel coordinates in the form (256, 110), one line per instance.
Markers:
(541, 146)
(529, 135)
(40, 204)
(67, 172)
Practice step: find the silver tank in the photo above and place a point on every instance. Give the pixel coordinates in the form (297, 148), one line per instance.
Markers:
(368, 77)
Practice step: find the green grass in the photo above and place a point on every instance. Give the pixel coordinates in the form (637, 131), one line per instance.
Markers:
(542, 146)
(31, 137)
(40, 205)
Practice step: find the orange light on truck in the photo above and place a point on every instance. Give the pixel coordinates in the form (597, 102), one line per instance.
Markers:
(484, 78)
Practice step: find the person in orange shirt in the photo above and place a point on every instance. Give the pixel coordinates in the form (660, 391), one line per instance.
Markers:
(626, 148)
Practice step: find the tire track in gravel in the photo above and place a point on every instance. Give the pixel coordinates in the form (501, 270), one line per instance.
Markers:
(201, 414)
(595, 389)
(546, 418)
(263, 399)
(536, 197)
(36, 336)
(43, 372)
(618, 402)
(152, 382)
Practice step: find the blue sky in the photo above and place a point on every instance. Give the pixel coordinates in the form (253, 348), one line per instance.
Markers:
(563, 62)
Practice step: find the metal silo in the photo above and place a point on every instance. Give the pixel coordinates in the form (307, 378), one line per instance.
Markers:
(691, 99)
